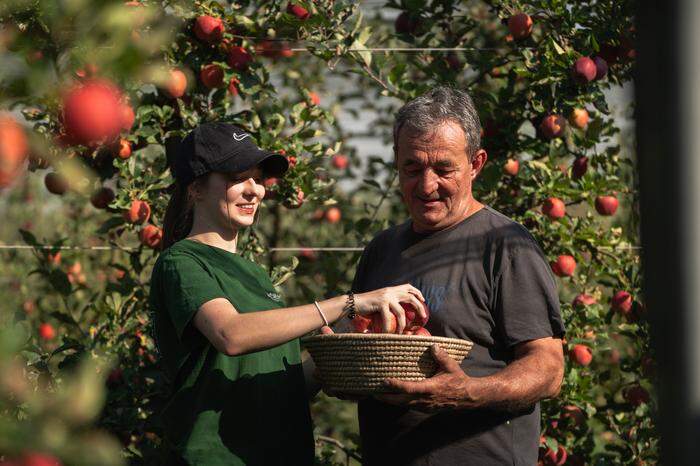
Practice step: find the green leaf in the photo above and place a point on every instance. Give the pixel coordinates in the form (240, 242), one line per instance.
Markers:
(29, 238)
(59, 280)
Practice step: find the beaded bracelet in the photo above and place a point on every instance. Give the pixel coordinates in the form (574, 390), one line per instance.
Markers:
(350, 306)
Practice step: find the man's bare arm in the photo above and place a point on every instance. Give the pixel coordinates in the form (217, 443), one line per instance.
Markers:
(535, 374)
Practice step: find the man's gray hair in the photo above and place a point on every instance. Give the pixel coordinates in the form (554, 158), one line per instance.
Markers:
(443, 103)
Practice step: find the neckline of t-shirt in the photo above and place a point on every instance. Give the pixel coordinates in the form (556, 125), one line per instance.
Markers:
(216, 248)
(432, 234)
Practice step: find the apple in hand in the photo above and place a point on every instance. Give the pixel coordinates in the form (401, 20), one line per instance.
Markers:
(413, 319)
(361, 324)
(376, 326)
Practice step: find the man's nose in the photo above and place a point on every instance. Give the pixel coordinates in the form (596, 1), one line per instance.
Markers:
(427, 183)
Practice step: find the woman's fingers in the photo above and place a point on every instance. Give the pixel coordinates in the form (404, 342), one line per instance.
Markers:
(400, 316)
(419, 306)
(416, 292)
(386, 319)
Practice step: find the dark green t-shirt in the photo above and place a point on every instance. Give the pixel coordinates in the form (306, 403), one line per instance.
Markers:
(250, 409)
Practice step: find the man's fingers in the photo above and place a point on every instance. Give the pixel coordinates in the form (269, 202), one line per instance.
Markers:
(406, 387)
(443, 358)
(326, 330)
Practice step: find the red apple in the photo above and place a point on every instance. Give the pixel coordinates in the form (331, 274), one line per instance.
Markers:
(176, 85)
(139, 212)
(376, 325)
(209, 29)
(297, 10)
(581, 355)
(421, 331)
(453, 61)
(564, 266)
(636, 395)
(552, 126)
(122, 149)
(56, 183)
(212, 75)
(295, 202)
(308, 254)
(92, 112)
(554, 458)
(579, 167)
(520, 25)
(102, 198)
(339, 161)
(622, 302)
(574, 414)
(151, 236)
(13, 149)
(361, 324)
(601, 67)
(606, 205)
(584, 70)
(315, 99)
(333, 215)
(579, 118)
(47, 332)
(238, 58)
(413, 318)
(511, 167)
(406, 23)
(609, 53)
(274, 49)
(582, 300)
(554, 208)
(39, 459)
(54, 259)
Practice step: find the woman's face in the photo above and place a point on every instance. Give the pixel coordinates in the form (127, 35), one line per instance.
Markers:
(230, 195)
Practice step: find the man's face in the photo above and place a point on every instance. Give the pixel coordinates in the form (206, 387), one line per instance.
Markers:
(435, 175)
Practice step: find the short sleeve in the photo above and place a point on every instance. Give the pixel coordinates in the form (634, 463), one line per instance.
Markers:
(526, 302)
(186, 284)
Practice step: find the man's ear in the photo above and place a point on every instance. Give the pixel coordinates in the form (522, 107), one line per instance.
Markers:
(478, 161)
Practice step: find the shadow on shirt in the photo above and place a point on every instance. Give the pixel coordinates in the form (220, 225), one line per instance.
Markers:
(261, 419)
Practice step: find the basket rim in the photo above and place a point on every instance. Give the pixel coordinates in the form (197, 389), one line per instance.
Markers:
(384, 337)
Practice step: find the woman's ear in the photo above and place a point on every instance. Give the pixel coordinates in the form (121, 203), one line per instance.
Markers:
(194, 191)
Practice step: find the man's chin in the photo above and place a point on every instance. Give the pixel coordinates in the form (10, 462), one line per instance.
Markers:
(427, 222)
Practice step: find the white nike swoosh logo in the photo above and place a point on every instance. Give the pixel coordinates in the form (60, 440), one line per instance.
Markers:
(240, 137)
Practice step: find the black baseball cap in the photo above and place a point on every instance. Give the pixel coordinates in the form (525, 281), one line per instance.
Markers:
(219, 147)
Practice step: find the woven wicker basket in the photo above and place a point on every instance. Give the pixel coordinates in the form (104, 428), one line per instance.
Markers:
(357, 363)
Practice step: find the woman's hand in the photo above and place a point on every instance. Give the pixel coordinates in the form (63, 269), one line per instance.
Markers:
(387, 301)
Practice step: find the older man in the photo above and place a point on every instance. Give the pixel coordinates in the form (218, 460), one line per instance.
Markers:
(485, 280)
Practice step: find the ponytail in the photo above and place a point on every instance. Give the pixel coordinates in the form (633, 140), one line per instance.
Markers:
(179, 216)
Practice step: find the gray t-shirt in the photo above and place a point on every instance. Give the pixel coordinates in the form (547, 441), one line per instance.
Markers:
(485, 280)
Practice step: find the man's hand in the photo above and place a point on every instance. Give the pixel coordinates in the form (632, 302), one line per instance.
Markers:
(449, 388)
(535, 374)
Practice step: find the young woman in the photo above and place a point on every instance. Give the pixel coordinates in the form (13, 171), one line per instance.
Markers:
(227, 341)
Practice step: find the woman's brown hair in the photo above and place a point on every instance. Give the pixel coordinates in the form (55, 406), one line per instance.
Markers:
(179, 215)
